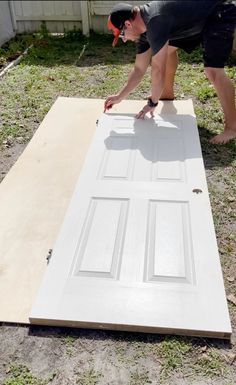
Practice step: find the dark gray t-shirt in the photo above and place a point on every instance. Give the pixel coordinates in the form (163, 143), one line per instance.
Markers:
(168, 20)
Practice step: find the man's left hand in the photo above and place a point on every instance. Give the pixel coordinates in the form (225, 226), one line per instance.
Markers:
(144, 111)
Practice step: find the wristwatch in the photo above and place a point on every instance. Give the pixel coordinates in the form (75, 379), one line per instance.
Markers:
(151, 103)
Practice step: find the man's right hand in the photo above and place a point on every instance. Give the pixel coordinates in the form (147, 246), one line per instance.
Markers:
(110, 101)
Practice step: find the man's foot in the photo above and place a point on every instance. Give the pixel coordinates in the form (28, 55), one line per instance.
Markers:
(223, 138)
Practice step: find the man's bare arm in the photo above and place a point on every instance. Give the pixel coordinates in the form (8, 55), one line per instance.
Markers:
(158, 73)
(141, 64)
(158, 80)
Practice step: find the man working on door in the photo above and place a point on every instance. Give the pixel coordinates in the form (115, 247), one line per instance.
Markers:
(159, 28)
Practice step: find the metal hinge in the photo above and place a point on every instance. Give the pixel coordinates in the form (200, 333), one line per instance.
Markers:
(97, 121)
(48, 257)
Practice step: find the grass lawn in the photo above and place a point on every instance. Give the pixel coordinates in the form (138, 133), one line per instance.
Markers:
(75, 66)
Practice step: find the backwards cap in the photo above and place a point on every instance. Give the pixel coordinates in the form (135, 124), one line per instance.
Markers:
(119, 14)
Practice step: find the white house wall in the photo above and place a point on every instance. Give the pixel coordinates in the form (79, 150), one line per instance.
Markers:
(6, 26)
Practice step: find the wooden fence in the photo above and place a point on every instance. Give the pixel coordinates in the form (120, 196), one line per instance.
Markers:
(27, 16)
(60, 15)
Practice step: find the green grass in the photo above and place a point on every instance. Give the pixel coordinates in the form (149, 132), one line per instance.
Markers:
(210, 365)
(69, 343)
(12, 49)
(21, 375)
(88, 377)
(73, 65)
(138, 377)
(172, 352)
(55, 67)
(181, 355)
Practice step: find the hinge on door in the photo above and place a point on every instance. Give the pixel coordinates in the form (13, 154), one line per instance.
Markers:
(48, 257)
(97, 121)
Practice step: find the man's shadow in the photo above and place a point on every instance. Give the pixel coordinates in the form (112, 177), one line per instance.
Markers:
(161, 129)
(155, 139)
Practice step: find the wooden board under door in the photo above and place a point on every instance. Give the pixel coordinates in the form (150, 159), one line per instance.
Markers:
(137, 249)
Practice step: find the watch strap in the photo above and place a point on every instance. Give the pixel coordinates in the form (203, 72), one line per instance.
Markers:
(151, 103)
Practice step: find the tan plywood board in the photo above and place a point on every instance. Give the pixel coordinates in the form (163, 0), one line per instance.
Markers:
(36, 192)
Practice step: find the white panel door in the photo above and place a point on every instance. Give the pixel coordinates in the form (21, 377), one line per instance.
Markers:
(137, 250)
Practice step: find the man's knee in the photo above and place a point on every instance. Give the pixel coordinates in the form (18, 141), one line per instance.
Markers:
(213, 73)
(172, 49)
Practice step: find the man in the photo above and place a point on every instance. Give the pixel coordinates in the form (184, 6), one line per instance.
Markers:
(159, 28)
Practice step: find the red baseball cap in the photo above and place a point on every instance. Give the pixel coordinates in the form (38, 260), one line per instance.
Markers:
(119, 14)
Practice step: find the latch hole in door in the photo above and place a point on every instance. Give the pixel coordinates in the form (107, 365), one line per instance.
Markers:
(197, 190)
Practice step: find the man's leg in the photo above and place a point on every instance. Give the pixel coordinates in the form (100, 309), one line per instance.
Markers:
(225, 91)
(171, 67)
(218, 37)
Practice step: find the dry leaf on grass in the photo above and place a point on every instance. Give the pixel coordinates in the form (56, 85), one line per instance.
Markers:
(231, 298)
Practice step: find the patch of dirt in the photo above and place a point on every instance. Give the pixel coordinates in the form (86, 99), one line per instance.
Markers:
(8, 156)
(87, 357)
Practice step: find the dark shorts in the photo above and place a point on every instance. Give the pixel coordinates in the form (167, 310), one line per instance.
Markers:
(218, 35)
(216, 38)
(188, 44)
